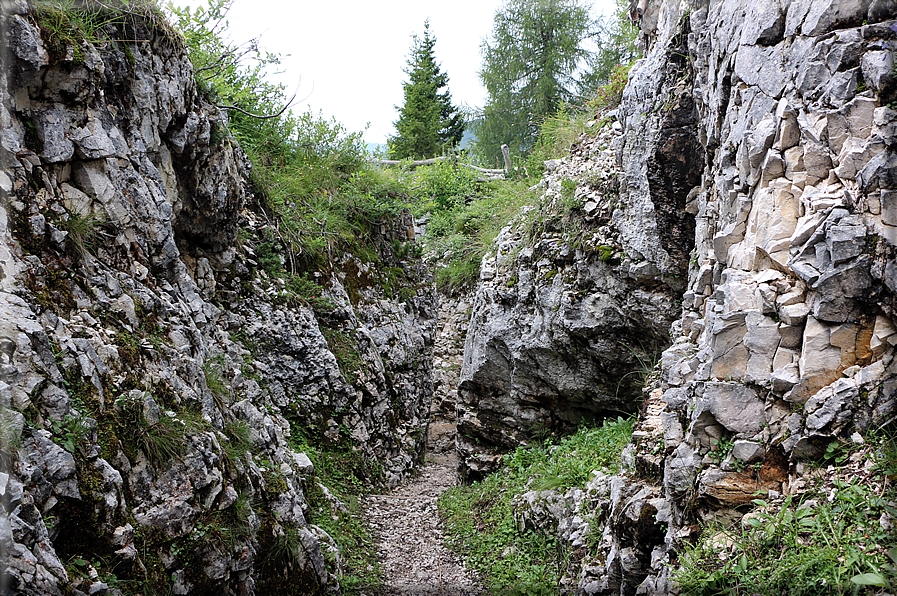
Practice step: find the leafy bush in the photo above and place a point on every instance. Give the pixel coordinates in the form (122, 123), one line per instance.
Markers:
(448, 184)
(479, 519)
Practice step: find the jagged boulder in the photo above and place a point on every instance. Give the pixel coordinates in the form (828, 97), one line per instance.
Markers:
(564, 326)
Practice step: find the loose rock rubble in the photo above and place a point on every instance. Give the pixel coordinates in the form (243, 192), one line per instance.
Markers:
(415, 560)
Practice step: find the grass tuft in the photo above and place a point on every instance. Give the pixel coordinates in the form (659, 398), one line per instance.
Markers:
(834, 539)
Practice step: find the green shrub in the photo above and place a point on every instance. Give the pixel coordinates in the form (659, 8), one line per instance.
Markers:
(447, 184)
(308, 169)
(461, 235)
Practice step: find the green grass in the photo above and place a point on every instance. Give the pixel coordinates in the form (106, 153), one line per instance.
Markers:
(479, 519)
(461, 235)
(828, 541)
(161, 441)
(68, 24)
(345, 474)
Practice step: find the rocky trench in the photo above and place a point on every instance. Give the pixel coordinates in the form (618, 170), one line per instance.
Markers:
(735, 216)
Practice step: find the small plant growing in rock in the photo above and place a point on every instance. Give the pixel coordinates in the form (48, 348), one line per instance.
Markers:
(479, 519)
(71, 432)
(720, 449)
(84, 231)
(161, 440)
(833, 539)
(213, 369)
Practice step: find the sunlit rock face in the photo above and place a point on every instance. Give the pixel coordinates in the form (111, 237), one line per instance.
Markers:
(756, 149)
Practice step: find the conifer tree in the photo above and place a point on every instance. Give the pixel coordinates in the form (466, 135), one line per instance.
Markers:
(428, 122)
(530, 68)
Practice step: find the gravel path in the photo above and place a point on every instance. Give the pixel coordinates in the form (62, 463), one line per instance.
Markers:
(411, 550)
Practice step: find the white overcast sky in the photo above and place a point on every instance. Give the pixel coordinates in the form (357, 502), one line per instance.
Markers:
(349, 55)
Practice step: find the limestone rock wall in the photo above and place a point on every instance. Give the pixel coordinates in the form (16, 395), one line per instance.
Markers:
(571, 310)
(773, 125)
(448, 352)
(156, 387)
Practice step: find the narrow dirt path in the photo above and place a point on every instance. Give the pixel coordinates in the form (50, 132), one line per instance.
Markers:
(411, 549)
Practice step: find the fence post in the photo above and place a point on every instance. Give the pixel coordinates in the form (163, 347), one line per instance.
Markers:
(506, 153)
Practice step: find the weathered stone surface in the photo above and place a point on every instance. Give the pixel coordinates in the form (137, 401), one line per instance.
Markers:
(564, 341)
(731, 489)
(736, 407)
(790, 286)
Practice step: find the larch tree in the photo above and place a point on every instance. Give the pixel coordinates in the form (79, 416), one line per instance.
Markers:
(531, 67)
(428, 122)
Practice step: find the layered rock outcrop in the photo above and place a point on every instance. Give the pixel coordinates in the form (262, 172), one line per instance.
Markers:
(157, 388)
(570, 313)
(771, 124)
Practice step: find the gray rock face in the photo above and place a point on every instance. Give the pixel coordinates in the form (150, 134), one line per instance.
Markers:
(781, 115)
(153, 385)
(560, 334)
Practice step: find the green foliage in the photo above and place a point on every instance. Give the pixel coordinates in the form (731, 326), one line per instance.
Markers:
(479, 519)
(309, 170)
(428, 122)
(345, 348)
(160, 441)
(309, 292)
(530, 69)
(71, 433)
(67, 24)
(462, 234)
(720, 449)
(239, 442)
(610, 94)
(615, 36)
(829, 541)
(343, 472)
(213, 370)
(447, 184)
(84, 231)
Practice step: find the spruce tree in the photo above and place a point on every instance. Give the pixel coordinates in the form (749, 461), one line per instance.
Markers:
(530, 69)
(428, 122)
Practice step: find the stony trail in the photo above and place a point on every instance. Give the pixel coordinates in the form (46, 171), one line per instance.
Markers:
(413, 555)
